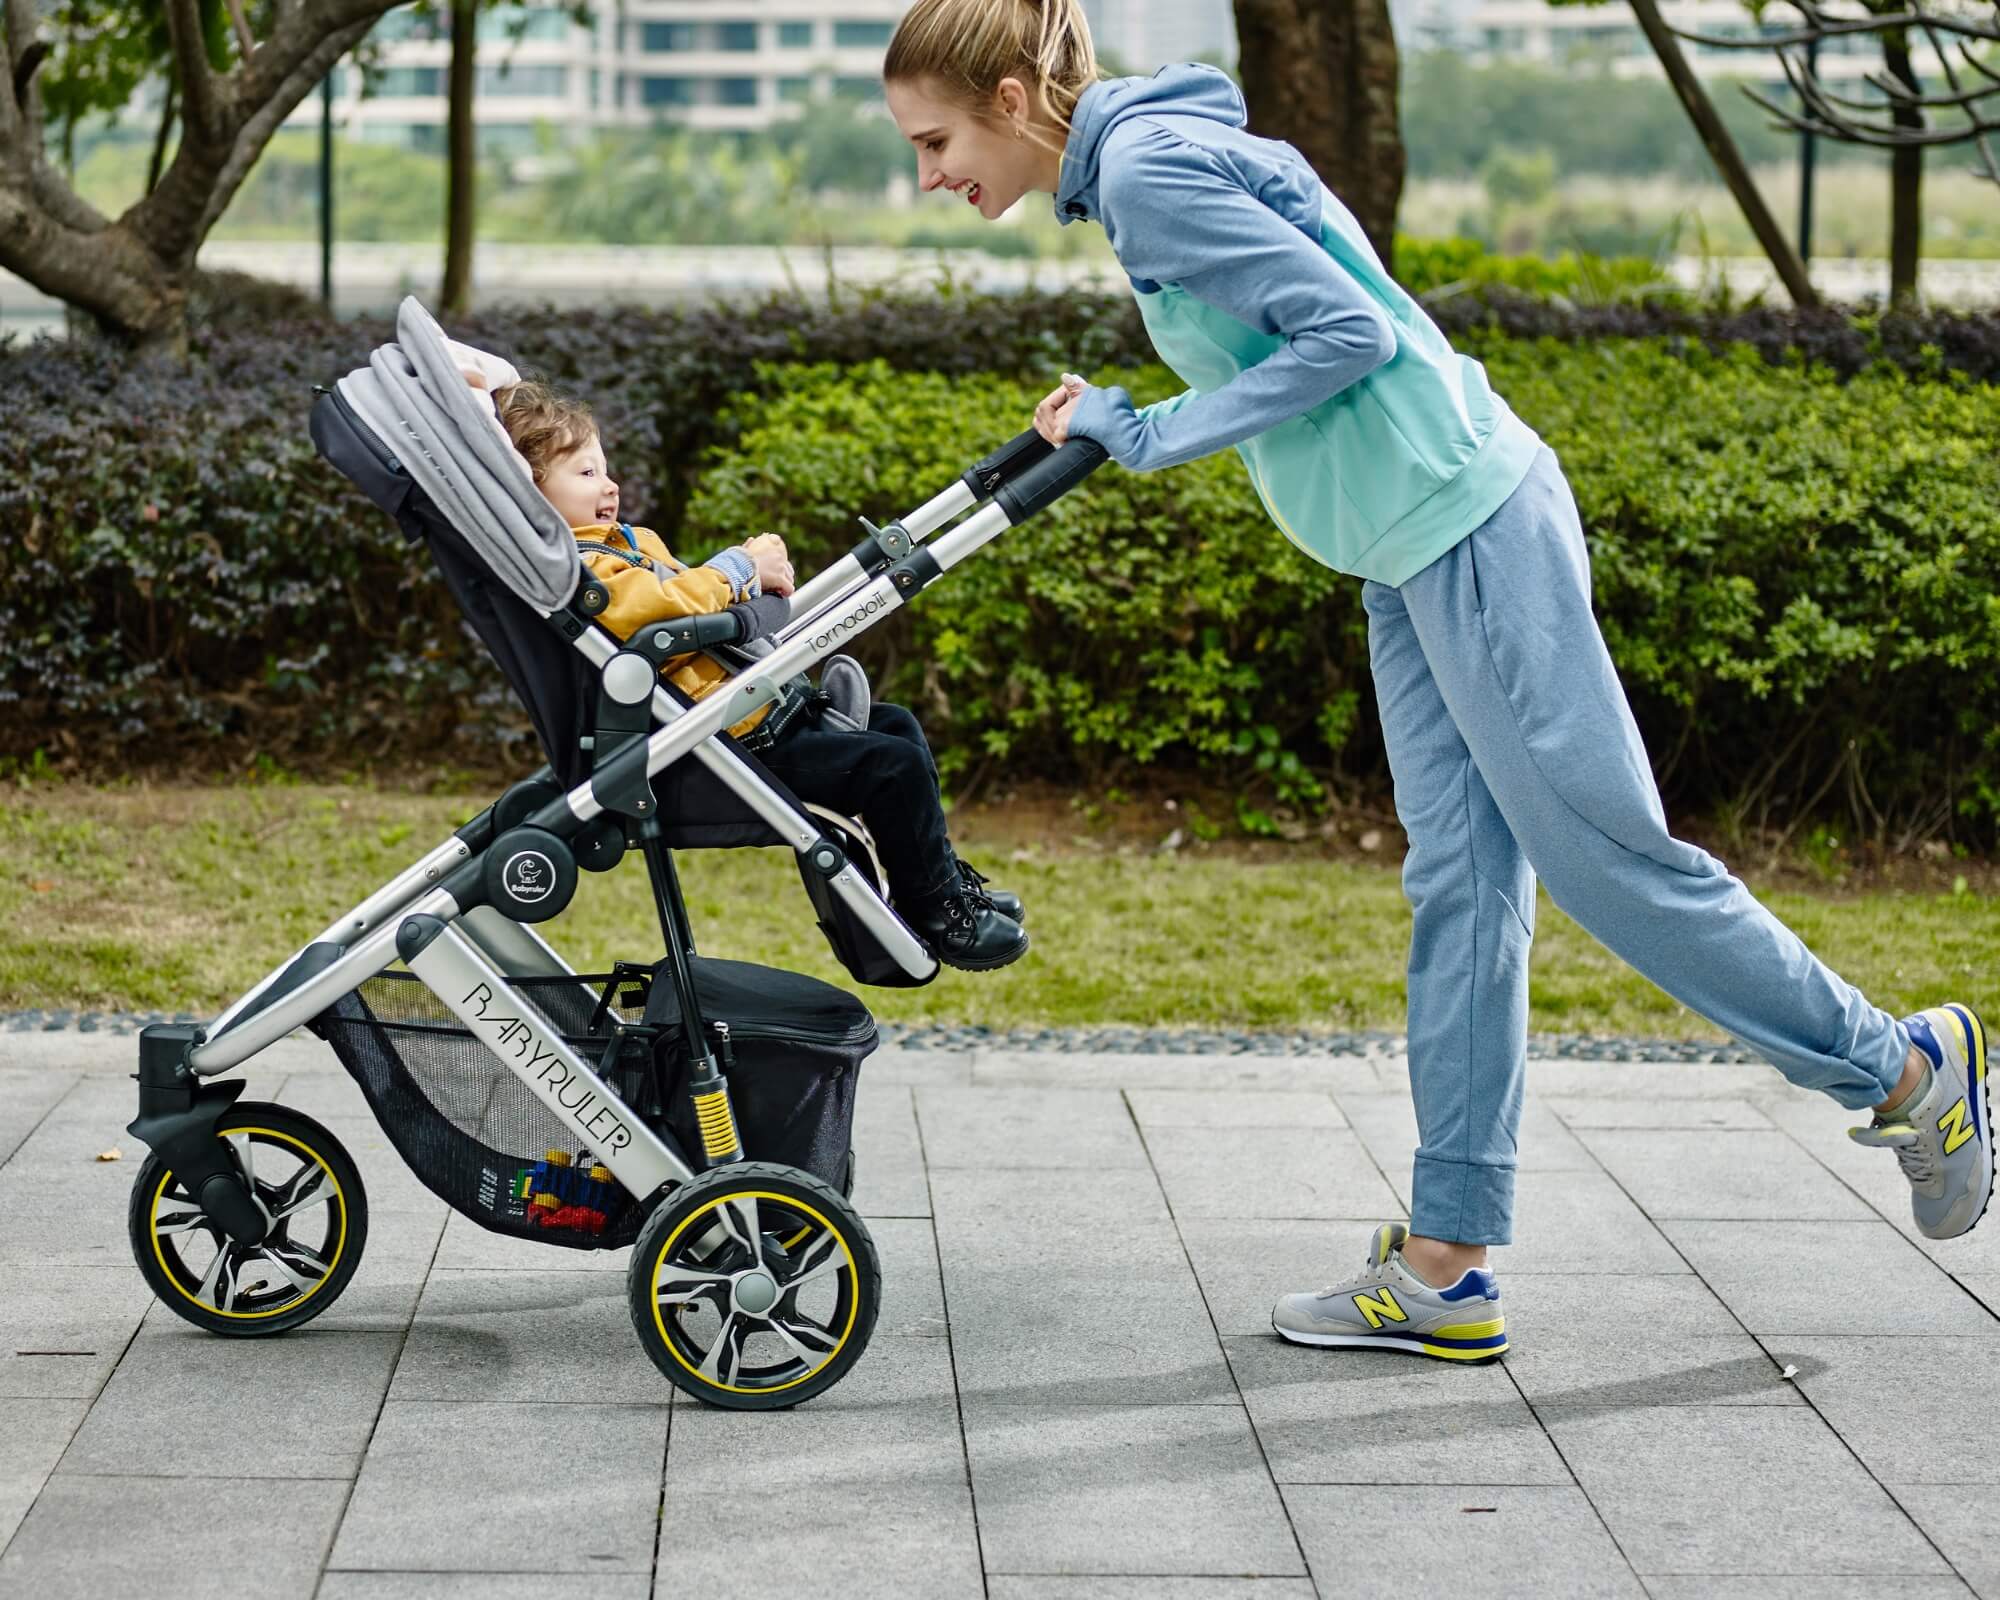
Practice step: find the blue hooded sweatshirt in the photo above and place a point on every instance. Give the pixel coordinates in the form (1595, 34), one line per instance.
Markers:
(1372, 444)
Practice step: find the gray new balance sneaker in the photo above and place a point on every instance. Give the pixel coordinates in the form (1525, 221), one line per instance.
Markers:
(1944, 1141)
(1390, 1307)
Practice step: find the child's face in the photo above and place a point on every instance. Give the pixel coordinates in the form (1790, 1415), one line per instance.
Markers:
(977, 157)
(578, 484)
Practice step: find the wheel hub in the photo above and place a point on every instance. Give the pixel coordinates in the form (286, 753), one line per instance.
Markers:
(754, 1293)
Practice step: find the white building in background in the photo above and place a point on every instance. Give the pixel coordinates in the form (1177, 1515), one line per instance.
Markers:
(706, 64)
(1606, 36)
(1144, 35)
(744, 64)
(709, 64)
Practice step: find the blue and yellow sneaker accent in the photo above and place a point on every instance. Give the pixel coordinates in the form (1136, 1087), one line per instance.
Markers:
(1943, 1138)
(1388, 1307)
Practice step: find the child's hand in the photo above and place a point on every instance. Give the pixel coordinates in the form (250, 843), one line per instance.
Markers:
(1053, 414)
(774, 567)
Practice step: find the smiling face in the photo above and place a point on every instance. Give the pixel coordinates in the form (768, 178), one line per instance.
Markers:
(579, 485)
(991, 160)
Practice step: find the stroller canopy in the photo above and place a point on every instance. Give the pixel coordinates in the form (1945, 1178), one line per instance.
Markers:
(415, 397)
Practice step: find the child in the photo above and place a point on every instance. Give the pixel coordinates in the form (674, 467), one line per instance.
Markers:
(1383, 453)
(883, 772)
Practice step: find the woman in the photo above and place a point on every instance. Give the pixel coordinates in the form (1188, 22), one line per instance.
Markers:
(1381, 452)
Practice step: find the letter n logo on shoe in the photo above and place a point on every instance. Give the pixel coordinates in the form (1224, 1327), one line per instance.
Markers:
(1957, 1128)
(1380, 1308)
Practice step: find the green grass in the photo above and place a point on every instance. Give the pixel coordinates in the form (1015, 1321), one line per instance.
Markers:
(140, 897)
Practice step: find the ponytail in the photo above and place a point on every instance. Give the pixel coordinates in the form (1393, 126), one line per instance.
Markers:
(966, 47)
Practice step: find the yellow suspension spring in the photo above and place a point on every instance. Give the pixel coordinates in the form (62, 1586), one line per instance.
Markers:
(718, 1126)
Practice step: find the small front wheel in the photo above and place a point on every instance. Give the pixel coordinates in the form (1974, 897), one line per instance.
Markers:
(754, 1286)
(308, 1184)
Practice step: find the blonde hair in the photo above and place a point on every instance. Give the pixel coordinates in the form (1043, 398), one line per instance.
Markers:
(542, 423)
(967, 46)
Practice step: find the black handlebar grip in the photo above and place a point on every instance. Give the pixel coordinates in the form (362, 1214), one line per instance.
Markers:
(1009, 461)
(1048, 481)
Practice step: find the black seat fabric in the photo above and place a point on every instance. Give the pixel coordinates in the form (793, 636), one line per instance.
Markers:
(549, 676)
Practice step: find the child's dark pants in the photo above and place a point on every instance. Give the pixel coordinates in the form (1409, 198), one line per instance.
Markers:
(887, 776)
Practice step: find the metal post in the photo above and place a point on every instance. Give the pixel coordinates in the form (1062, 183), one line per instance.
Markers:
(1807, 140)
(326, 189)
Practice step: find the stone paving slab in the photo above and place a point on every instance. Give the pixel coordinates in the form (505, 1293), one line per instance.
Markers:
(1735, 1490)
(1073, 1392)
(1508, 1543)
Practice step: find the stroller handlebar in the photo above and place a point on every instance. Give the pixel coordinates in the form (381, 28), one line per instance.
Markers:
(1009, 461)
(1049, 479)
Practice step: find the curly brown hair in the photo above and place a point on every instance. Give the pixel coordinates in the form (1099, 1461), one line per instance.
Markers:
(542, 423)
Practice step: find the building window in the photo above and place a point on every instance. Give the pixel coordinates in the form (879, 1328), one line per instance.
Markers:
(407, 22)
(663, 38)
(505, 24)
(795, 91)
(508, 139)
(795, 35)
(515, 82)
(736, 91)
(856, 88)
(736, 36)
(862, 35)
(395, 82)
(666, 91)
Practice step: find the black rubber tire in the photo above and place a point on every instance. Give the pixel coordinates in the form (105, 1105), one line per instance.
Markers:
(859, 1296)
(347, 1220)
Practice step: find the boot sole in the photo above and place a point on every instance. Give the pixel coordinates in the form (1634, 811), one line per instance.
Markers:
(989, 964)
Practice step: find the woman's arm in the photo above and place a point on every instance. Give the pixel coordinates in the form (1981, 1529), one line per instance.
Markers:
(1180, 216)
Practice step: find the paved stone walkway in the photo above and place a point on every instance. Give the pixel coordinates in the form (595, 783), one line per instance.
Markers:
(1073, 1391)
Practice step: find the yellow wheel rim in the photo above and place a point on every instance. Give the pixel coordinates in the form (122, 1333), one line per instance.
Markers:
(804, 1210)
(333, 1260)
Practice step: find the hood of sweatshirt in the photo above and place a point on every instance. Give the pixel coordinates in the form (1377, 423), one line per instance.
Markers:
(1185, 90)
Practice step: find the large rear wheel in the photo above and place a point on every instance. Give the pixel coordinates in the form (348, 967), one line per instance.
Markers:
(755, 1286)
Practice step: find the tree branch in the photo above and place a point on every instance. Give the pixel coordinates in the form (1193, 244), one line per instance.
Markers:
(211, 164)
(246, 41)
(263, 122)
(24, 55)
(200, 104)
(1831, 29)
(73, 265)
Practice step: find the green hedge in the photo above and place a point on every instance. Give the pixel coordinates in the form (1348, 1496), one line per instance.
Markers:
(1797, 569)
(1799, 580)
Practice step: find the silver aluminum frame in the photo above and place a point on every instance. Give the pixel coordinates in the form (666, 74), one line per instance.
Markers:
(458, 973)
(368, 931)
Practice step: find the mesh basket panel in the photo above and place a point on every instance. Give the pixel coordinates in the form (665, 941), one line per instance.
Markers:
(471, 1130)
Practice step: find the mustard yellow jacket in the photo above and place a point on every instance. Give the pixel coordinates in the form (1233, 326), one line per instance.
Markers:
(648, 585)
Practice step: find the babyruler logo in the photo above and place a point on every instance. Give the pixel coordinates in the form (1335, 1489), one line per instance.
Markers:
(517, 1039)
(528, 877)
(854, 619)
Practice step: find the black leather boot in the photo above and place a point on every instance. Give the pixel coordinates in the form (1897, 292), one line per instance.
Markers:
(965, 931)
(1006, 903)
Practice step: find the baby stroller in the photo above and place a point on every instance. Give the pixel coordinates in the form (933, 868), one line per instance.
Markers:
(695, 1109)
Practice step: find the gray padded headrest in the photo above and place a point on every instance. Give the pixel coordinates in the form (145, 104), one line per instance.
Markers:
(415, 396)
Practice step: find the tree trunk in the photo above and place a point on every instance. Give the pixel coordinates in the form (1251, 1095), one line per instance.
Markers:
(1906, 179)
(461, 201)
(130, 276)
(1321, 75)
(1722, 151)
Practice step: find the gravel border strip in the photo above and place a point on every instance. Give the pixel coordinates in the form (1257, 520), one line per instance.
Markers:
(1095, 1041)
